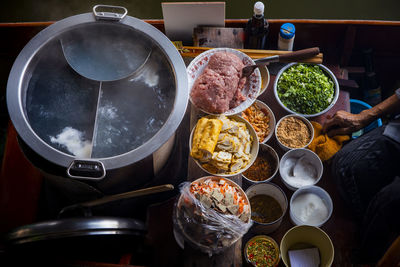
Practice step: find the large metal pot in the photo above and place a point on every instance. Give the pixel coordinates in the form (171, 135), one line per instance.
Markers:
(97, 97)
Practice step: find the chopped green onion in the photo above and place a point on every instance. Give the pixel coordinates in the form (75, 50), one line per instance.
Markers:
(305, 89)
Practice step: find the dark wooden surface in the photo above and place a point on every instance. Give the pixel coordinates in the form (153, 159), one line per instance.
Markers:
(19, 186)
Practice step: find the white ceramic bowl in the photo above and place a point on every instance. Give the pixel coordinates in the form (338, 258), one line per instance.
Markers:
(251, 89)
(275, 192)
(306, 121)
(321, 193)
(335, 94)
(293, 155)
(264, 107)
(253, 151)
(264, 148)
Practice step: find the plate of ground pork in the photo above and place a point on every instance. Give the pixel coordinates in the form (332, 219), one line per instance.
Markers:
(216, 82)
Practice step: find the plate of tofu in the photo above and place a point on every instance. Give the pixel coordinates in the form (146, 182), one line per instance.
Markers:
(223, 145)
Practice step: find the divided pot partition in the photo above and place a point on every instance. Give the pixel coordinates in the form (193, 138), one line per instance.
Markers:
(98, 92)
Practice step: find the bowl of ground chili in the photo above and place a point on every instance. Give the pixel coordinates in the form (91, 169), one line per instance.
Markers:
(264, 167)
(262, 251)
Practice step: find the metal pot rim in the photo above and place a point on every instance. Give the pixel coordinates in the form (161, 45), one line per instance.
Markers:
(15, 89)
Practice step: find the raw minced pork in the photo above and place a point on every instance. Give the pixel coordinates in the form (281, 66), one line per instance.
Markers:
(219, 87)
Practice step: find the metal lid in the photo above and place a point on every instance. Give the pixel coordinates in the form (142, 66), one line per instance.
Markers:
(93, 86)
(287, 31)
(75, 227)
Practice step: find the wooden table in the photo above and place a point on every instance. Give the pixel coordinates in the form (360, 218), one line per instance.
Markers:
(340, 227)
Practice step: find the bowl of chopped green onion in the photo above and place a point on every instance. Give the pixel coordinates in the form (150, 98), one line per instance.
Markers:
(308, 90)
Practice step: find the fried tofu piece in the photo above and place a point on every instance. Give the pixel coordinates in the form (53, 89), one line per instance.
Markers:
(205, 138)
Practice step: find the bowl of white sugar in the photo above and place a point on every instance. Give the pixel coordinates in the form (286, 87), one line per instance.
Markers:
(310, 205)
(300, 167)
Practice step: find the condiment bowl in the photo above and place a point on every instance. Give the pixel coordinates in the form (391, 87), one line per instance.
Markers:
(294, 155)
(264, 150)
(271, 125)
(306, 236)
(327, 72)
(253, 150)
(274, 254)
(276, 193)
(265, 78)
(321, 193)
(251, 89)
(305, 120)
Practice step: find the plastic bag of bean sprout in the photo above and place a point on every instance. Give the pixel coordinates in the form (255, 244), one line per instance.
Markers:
(211, 214)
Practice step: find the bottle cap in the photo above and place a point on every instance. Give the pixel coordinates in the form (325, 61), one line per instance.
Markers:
(259, 8)
(287, 31)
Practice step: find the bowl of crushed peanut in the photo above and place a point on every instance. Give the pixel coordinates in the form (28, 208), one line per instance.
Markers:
(294, 131)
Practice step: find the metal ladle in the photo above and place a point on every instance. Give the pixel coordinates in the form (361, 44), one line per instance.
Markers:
(106, 51)
(85, 206)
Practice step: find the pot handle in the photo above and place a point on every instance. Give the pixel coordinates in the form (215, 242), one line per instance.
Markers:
(111, 16)
(87, 170)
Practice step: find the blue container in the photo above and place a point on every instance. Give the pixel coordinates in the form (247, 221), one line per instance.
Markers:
(356, 106)
(287, 31)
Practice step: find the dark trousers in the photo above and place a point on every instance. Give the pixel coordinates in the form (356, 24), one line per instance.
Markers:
(367, 172)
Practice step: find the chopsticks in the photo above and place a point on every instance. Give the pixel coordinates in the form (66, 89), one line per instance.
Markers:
(193, 51)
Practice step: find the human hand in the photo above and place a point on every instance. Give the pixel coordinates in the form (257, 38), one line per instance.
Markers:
(344, 123)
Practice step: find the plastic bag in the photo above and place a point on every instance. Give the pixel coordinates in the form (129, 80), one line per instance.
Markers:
(204, 225)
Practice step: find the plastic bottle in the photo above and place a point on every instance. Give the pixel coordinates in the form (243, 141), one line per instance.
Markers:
(256, 30)
(286, 37)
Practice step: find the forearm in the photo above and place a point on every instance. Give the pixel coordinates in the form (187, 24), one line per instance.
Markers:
(391, 105)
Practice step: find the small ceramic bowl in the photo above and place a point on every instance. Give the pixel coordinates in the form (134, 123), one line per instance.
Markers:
(294, 155)
(306, 236)
(276, 193)
(265, 150)
(271, 125)
(321, 193)
(265, 78)
(263, 239)
(306, 121)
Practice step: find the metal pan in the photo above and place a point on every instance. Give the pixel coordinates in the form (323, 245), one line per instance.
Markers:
(86, 229)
